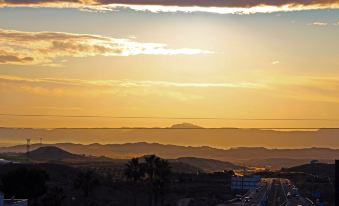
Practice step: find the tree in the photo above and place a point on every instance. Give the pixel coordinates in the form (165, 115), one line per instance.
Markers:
(25, 183)
(134, 171)
(158, 174)
(155, 172)
(86, 181)
(161, 179)
(54, 197)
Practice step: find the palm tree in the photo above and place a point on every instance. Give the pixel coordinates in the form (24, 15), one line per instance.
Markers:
(154, 171)
(162, 178)
(150, 165)
(157, 172)
(134, 171)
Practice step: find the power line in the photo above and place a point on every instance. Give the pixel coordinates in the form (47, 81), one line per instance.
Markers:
(166, 117)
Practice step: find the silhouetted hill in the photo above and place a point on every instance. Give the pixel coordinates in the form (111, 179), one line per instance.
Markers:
(185, 126)
(209, 165)
(318, 169)
(52, 153)
(257, 155)
(277, 163)
(55, 154)
(181, 167)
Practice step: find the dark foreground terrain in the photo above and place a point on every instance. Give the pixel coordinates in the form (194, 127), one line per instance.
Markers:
(94, 184)
(54, 177)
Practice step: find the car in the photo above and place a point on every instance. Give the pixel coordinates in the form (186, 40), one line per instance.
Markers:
(295, 191)
(288, 195)
(247, 199)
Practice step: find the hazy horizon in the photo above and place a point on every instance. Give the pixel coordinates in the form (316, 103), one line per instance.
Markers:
(178, 135)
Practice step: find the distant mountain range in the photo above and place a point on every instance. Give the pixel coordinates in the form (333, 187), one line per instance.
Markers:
(178, 134)
(256, 156)
(185, 164)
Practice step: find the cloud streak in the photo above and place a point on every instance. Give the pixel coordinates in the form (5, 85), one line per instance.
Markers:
(45, 48)
(120, 88)
(319, 23)
(214, 6)
(323, 89)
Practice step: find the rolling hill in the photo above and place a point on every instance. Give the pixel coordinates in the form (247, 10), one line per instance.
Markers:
(53, 153)
(180, 165)
(209, 165)
(317, 169)
(254, 156)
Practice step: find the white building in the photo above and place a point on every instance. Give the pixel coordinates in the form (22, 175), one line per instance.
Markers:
(12, 202)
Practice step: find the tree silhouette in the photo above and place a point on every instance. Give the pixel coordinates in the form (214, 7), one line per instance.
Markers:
(86, 181)
(25, 183)
(134, 171)
(161, 179)
(154, 171)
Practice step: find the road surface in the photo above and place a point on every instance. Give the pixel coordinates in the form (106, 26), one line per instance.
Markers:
(271, 192)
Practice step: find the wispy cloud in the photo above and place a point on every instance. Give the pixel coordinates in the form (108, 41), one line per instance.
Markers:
(319, 23)
(18, 47)
(305, 88)
(323, 24)
(90, 88)
(323, 89)
(275, 62)
(126, 83)
(214, 6)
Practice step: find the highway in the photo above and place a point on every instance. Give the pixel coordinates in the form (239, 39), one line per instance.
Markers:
(272, 192)
(293, 201)
(255, 197)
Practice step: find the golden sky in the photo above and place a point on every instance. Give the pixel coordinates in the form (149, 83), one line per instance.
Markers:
(85, 63)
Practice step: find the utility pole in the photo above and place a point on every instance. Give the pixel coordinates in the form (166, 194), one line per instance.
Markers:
(40, 141)
(28, 140)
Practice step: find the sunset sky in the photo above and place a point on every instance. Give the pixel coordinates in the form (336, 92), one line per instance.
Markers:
(216, 63)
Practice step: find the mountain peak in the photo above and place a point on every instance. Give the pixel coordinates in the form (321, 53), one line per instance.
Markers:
(185, 125)
(51, 153)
